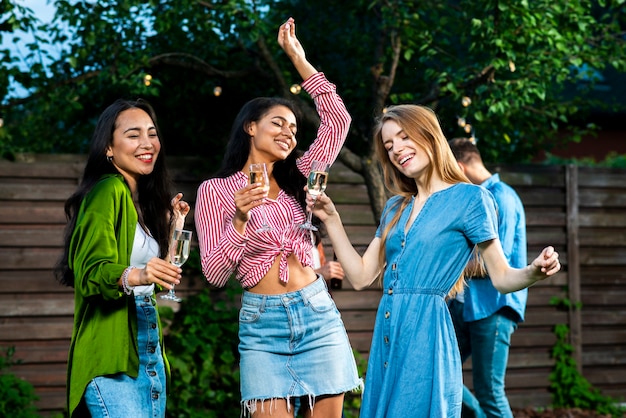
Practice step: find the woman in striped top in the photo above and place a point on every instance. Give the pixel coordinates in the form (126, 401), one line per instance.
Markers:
(293, 346)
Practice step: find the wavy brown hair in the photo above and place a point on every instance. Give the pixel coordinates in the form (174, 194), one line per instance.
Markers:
(421, 125)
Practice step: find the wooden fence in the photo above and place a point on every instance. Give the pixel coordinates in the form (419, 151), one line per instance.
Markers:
(581, 211)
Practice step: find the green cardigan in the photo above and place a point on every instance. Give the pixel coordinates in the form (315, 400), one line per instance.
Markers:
(104, 338)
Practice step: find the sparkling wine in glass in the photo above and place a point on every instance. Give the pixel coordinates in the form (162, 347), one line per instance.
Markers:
(258, 174)
(179, 252)
(316, 184)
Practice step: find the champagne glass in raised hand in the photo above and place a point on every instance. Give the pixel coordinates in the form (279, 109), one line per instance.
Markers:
(316, 184)
(258, 174)
(179, 252)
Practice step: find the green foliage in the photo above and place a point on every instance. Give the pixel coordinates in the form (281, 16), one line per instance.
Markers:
(17, 397)
(612, 160)
(202, 350)
(569, 388)
(528, 67)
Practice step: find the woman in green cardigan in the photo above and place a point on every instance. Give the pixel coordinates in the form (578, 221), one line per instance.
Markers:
(119, 223)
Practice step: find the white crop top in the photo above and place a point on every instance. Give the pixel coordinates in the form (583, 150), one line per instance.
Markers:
(144, 248)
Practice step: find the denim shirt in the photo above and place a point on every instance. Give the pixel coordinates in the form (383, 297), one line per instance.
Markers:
(481, 297)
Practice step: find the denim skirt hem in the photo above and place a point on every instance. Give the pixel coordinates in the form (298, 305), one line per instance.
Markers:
(293, 345)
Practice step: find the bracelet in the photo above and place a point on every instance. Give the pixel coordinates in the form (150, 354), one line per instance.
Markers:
(127, 289)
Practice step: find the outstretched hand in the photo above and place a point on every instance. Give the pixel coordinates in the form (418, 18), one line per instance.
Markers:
(547, 262)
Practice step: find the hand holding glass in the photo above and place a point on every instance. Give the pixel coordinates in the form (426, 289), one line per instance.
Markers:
(258, 174)
(179, 252)
(316, 184)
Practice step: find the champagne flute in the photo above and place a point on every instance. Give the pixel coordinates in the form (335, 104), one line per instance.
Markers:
(258, 174)
(179, 252)
(316, 184)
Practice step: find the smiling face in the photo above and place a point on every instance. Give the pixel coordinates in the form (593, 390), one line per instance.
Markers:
(135, 145)
(273, 137)
(403, 152)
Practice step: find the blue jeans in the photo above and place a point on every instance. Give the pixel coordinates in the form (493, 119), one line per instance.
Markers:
(120, 395)
(487, 341)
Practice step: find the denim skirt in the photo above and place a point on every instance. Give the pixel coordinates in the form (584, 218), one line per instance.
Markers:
(293, 345)
(120, 395)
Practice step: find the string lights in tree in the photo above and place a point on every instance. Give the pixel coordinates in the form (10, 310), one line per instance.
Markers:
(463, 123)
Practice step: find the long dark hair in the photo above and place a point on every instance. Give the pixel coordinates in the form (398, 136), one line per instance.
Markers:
(286, 173)
(153, 189)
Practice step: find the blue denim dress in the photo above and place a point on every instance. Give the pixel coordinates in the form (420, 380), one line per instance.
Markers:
(414, 365)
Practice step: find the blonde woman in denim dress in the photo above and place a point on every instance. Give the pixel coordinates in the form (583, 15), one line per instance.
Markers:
(426, 236)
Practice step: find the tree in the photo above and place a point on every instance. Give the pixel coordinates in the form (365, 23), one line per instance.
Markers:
(526, 67)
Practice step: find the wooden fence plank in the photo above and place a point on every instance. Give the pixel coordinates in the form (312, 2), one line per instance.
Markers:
(42, 374)
(35, 192)
(29, 258)
(38, 352)
(32, 236)
(602, 256)
(573, 261)
(51, 400)
(34, 213)
(603, 237)
(594, 356)
(603, 198)
(600, 177)
(348, 193)
(62, 304)
(603, 221)
(36, 330)
(30, 281)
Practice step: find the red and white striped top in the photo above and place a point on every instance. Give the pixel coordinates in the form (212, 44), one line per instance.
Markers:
(223, 250)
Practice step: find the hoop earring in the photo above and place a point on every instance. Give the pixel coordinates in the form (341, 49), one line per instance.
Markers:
(109, 158)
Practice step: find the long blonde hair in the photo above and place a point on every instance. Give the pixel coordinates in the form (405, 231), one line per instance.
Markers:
(421, 126)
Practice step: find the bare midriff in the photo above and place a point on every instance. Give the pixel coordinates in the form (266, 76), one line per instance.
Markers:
(299, 277)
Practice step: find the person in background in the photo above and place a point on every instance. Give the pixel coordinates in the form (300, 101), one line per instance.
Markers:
(120, 220)
(331, 270)
(294, 349)
(485, 319)
(427, 234)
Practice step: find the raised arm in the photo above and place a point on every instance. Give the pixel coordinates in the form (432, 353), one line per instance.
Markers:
(334, 117)
(360, 271)
(507, 279)
(289, 43)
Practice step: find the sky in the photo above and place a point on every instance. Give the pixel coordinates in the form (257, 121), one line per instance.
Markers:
(44, 11)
